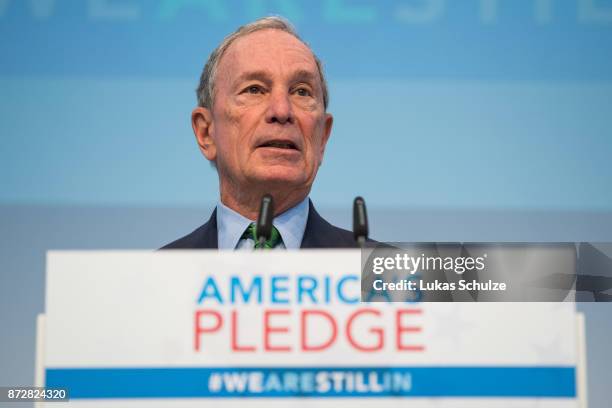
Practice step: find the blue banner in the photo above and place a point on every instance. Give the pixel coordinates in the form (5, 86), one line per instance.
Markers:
(320, 382)
(474, 39)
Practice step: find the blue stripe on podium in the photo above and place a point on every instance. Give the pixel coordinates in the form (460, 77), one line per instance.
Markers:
(318, 382)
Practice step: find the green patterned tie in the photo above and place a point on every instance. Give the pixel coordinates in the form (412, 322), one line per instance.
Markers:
(274, 240)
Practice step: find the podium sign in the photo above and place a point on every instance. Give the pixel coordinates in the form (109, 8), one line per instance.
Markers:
(285, 328)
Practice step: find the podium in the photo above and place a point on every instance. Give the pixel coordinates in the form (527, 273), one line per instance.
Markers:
(287, 328)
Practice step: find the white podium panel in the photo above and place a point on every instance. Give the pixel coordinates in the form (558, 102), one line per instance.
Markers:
(283, 328)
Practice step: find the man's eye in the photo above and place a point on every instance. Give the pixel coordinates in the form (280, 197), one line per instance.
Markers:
(254, 89)
(303, 92)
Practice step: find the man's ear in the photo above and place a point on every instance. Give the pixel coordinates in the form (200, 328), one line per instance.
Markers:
(202, 124)
(327, 128)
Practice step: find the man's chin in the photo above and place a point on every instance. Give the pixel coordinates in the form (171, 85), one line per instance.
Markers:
(279, 174)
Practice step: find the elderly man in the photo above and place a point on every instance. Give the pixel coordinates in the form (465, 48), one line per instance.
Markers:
(262, 121)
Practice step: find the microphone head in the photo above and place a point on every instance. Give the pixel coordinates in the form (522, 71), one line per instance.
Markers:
(263, 227)
(360, 219)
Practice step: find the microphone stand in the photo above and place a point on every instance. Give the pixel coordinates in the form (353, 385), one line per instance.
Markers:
(263, 227)
(360, 222)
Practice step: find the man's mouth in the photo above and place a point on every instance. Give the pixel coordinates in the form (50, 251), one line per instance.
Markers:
(280, 144)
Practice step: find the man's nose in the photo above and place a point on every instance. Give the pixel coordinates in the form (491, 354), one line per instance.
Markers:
(279, 108)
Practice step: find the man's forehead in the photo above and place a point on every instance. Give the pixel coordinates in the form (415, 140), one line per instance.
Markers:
(262, 49)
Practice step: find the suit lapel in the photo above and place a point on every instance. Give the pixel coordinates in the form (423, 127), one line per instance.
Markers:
(318, 233)
(208, 237)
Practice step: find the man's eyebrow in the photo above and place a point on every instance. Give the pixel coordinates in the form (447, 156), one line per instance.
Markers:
(264, 76)
(304, 75)
(254, 75)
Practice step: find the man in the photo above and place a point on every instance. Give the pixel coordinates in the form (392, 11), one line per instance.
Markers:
(262, 121)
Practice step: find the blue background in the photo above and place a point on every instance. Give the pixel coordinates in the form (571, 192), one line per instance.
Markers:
(471, 104)
(456, 120)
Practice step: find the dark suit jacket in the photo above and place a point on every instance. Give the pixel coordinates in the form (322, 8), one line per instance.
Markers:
(318, 234)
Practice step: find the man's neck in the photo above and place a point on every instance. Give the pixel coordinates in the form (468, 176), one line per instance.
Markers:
(247, 203)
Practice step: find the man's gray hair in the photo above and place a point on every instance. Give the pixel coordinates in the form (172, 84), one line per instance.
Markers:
(206, 89)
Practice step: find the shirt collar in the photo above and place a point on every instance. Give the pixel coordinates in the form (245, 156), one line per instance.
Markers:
(291, 224)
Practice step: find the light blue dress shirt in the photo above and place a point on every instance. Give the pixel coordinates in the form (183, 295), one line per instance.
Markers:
(231, 225)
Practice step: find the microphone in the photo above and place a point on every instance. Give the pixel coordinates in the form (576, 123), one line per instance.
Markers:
(263, 228)
(360, 221)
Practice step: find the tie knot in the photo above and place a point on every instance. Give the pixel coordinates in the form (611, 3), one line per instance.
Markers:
(251, 232)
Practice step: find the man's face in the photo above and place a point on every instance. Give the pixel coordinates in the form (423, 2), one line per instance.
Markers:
(268, 123)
